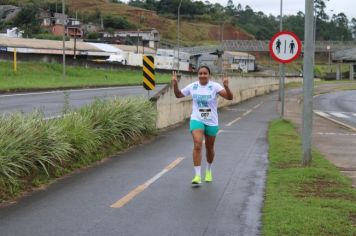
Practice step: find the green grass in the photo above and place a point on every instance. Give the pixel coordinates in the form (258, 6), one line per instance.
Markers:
(34, 75)
(323, 69)
(351, 85)
(315, 200)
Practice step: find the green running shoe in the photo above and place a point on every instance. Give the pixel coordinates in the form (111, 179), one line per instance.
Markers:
(196, 180)
(208, 176)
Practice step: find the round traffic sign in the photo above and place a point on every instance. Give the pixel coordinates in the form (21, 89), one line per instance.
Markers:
(285, 47)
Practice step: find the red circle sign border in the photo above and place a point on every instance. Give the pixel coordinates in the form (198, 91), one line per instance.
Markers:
(295, 56)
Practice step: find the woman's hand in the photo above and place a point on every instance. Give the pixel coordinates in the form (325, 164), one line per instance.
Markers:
(176, 90)
(225, 81)
(174, 78)
(226, 93)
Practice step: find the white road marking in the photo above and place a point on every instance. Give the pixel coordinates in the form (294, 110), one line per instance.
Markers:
(245, 114)
(62, 91)
(233, 122)
(339, 115)
(338, 134)
(320, 113)
(255, 107)
(234, 109)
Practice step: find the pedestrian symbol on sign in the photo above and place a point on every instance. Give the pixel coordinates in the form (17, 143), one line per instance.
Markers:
(278, 46)
(292, 46)
(285, 47)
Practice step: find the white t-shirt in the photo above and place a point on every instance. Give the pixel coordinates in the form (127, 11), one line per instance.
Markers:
(205, 101)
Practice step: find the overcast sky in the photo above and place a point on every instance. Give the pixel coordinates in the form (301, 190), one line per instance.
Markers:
(293, 6)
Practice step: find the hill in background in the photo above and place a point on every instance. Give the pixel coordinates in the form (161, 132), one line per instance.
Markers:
(193, 31)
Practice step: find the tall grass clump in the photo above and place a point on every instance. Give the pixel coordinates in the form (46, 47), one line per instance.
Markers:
(31, 146)
(120, 120)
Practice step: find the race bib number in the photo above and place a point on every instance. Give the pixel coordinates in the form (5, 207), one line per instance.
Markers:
(205, 113)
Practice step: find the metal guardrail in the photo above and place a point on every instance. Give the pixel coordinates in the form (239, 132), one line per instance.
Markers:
(202, 49)
(263, 46)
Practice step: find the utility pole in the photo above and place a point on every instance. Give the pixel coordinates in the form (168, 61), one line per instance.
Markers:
(178, 33)
(281, 64)
(75, 35)
(138, 39)
(329, 57)
(308, 82)
(64, 39)
(143, 45)
(220, 57)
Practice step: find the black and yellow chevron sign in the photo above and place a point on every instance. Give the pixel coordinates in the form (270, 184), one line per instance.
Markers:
(148, 73)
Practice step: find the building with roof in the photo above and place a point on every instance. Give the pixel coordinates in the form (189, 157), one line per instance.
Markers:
(147, 38)
(12, 33)
(239, 61)
(56, 22)
(345, 57)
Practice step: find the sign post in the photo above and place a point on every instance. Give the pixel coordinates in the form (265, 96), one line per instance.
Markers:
(308, 83)
(15, 60)
(284, 47)
(148, 73)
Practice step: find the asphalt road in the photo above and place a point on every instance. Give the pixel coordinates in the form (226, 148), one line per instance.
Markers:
(151, 183)
(338, 105)
(51, 103)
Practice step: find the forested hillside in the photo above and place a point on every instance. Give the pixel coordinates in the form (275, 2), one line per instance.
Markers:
(262, 26)
(201, 21)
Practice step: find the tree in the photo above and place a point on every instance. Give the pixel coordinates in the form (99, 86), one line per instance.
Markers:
(27, 20)
(230, 8)
(239, 7)
(339, 25)
(319, 8)
(117, 22)
(353, 27)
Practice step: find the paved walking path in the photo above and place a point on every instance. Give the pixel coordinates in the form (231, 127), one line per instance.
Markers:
(151, 187)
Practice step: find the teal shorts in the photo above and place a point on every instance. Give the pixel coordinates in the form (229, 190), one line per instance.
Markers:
(208, 130)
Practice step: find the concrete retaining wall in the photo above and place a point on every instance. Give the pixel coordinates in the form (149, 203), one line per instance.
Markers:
(172, 111)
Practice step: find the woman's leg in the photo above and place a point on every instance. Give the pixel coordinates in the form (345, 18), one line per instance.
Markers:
(210, 154)
(198, 143)
(209, 145)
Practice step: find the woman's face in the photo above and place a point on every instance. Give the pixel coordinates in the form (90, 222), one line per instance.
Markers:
(203, 75)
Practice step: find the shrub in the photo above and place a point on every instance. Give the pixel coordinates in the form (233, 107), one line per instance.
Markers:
(31, 146)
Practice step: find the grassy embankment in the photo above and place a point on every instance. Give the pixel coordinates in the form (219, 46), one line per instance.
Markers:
(34, 75)
(315, 200)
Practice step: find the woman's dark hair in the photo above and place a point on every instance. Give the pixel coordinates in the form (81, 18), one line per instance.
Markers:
(206, 67)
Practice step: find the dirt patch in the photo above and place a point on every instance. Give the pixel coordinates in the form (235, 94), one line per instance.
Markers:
(288, 165)
(322, 188)
(352, 217)
(230, 33)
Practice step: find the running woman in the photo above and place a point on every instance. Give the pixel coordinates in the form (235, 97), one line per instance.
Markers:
(204, 117)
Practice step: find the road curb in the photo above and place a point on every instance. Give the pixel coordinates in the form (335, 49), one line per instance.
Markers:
(335, 121)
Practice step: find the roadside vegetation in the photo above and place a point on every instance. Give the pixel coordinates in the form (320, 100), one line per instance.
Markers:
(33, 150)
(34, 75)
(315, 200)
(342, 84)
